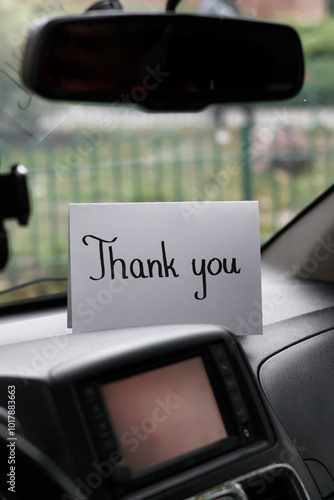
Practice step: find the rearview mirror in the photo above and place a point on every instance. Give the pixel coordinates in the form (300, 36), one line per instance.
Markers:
(162, 61)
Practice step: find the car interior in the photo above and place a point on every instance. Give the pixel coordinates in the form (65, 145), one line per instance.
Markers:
(202, 412)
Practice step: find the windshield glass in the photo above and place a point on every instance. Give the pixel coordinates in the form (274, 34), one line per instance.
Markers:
(279, 154)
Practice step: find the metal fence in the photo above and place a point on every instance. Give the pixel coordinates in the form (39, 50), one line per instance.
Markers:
(171, 164)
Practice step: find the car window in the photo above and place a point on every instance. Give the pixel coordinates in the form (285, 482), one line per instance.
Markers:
(277, 153)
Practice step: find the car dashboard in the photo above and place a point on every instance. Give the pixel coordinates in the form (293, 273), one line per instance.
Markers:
(77, 401)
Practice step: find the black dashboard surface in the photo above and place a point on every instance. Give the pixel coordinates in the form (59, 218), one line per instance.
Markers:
(292, 360)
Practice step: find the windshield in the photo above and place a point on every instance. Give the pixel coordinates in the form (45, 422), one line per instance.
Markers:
(279, 154)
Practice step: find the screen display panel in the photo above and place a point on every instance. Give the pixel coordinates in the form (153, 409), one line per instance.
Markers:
(164, 413)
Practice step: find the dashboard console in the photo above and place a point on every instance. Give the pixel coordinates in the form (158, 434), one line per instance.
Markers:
(172, 412)
(158, 412)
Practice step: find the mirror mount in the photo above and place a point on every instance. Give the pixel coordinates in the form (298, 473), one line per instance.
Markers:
(105, 5)
(171, 5)
(115, 4)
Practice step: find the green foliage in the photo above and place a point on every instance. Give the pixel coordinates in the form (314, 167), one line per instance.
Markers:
(317, 39)
(318, 46)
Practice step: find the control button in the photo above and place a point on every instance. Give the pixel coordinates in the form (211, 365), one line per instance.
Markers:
(242, 414)
(246, 432)
(89, 393)
(105, 435)
(239, 406)
(231, 383)
(122, 474)
(108, 444)
(102, 425)
(218, 352)
(236, 398)
(96, 408)
(224, 367)
(99, 417)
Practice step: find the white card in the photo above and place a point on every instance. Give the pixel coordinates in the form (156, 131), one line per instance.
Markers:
(141, 264)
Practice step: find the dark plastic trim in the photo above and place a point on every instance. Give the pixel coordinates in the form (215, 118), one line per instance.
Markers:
(299, 216)
(56, 301)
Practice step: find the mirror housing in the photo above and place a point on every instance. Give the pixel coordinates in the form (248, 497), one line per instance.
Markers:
(162, 62)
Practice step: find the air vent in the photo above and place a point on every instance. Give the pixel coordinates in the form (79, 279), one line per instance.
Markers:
(275, 482)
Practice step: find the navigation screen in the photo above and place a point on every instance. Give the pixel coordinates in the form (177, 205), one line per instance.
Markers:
(164, 413)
